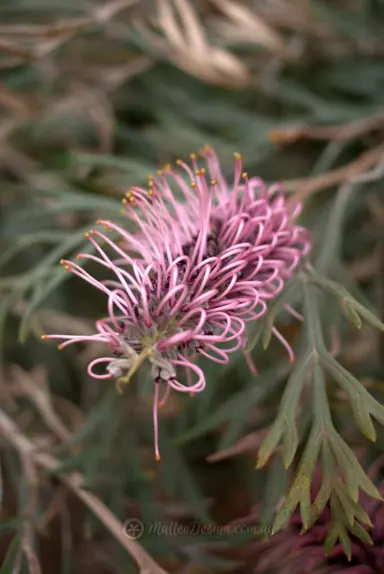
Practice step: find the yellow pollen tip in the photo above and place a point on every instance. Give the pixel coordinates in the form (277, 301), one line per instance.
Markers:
(78, 256)
(159, 172)
(237, 156)
(66, 267)
(98, 221)
(92, 231)
(244, 175)
(62, 261)
(60, 347)
(150, 183)
(157, 458)
(132, 200)
(43, 337)
(150, 192)
(193, 184)
(167, 167)
(193, 156)
(213, 182)
(198, 172)
(179, 162)
(124, 201)
(86, 235)
(203, 171)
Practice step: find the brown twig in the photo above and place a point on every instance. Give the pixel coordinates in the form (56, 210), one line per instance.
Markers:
(305, 187)
(30, 476)
(83, 100)
(14, 101)
(41, 399)
(35, 387)
(340, 132)
(55, 507)
(26, 448)
(41, 40)
(295, 15)
(103, 13)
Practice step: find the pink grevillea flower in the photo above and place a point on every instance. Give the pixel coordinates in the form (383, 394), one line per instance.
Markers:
(192, 275)
(157, 312)
(244, 230)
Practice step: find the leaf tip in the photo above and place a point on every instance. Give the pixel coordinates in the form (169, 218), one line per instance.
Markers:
(260, 464)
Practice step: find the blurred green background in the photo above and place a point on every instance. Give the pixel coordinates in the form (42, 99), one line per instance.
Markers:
(94, 96)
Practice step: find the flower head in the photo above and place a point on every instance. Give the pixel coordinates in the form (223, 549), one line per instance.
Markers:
(246, 227)
(155, 314)
(191, 277)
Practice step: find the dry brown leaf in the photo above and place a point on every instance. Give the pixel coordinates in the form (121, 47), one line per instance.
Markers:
(181, 38)
(246, 26)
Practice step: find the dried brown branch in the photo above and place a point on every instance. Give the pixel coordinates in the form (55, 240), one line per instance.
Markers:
(297, 16)
(34, 386)
(11, 100)
(26, 448)
(14, 49)
(40, 397)
(102, 14)
(341, 132)
(26, 550)
(55, 507)
(40, 40)
(83, 99)
(305, 187)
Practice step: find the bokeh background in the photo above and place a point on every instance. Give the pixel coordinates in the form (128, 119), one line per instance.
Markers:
(94, 96)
